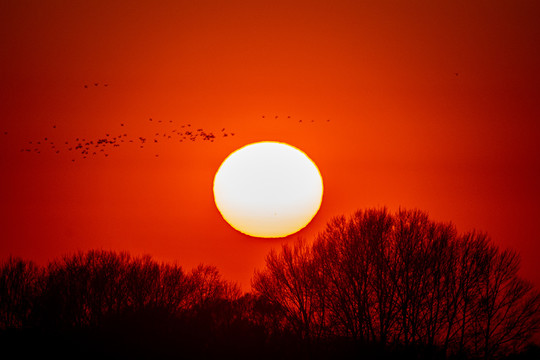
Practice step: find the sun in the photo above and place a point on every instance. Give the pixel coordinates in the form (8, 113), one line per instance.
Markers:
(268, 189)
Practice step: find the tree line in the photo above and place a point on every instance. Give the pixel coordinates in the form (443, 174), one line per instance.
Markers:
(373, 284)
(403, 281)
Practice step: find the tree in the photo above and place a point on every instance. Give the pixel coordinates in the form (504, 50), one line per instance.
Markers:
(354, 257)
(292, 282)
(403, 280)
(506, 311)
(20, 284)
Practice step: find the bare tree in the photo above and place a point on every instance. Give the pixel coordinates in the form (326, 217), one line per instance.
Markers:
(354, 256)
(292, 282)
(208, 286)
(20, 284)
(505, 311)
(402, 279)
(82, 289)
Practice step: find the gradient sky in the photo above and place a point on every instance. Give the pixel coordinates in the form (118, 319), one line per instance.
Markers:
(432, 105)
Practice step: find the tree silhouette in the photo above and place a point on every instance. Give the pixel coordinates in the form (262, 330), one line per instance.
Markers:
(375, 284)
(292, 284)
(403, 281)
(20, 283)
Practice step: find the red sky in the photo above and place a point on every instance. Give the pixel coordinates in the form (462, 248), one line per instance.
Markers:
(432, 105)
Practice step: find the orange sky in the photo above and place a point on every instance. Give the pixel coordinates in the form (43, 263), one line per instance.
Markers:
(432, 105)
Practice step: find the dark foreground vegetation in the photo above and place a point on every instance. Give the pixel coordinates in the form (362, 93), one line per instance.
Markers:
(372, 286)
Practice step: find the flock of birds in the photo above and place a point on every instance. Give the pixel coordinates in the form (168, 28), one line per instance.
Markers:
(289, 117)
(84, 148)
(86, 86)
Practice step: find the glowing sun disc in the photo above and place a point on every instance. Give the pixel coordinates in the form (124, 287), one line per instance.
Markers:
(268, 189)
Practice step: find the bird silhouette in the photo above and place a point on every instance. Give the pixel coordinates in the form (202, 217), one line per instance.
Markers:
(87, 148)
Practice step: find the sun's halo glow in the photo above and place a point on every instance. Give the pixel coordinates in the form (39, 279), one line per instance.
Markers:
(268, 189)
